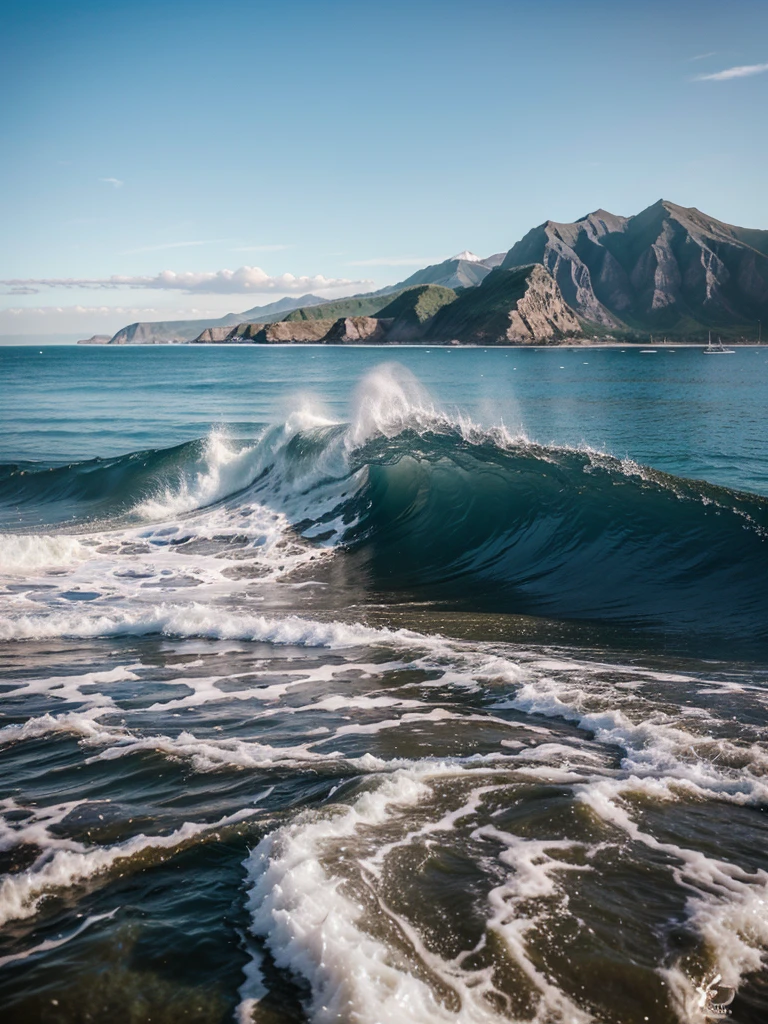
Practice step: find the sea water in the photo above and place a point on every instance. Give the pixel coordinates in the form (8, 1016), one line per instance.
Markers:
(383, 685)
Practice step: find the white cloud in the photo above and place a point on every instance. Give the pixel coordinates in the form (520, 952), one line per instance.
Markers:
(87, 320)
(397, 261)
(702, 56)
(114, 182)
(244, 281)
(742, 71)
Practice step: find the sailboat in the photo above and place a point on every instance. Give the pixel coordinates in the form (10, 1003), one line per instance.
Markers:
(719, 349)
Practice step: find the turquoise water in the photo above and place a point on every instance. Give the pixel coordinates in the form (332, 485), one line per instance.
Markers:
(377, 685)
(677, 411)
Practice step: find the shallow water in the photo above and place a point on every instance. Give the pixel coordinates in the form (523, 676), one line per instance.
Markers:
(341, 690)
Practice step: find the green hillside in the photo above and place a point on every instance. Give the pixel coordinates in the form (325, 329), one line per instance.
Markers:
(485, 307)
(418, 304)
(364, 305)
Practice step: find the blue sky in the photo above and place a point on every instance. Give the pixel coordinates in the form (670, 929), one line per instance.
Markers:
(346, 144)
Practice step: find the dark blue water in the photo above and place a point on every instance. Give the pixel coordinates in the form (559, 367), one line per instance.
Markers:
(383, 685)
(675, 410)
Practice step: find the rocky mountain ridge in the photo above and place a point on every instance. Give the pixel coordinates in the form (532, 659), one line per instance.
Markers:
(518, 306)
(669, 269)
(462, 271)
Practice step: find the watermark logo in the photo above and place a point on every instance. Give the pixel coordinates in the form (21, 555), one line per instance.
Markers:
(715, 998)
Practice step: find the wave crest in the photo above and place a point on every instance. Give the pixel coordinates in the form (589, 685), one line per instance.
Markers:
(416, 499)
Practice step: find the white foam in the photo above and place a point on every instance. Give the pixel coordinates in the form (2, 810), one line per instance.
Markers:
(253, 988)
(71, 689)
(727, 906)
(410, 718)
(313, 929)
(446, 823)
(192, 620)
(534, 873)
(313, 926)
(23, 553)
(388, 400)
(83, 726)
(211, 754)
(703, 766)
(222, 469)
(21, 894)
(35, 827)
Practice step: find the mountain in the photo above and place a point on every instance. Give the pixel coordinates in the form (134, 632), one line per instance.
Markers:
(521, 305)
(402, 318)
(355, 305)
(466, 270)
(518, 306)
(164, 331)
(275, 311)
(412, 309)
(668, 268)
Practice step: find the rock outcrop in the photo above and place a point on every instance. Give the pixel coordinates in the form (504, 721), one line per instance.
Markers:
(214, 335)
(240, 334)
(281, 333)
(668, 268)
(358, 330)
(161, 331)
(96, 339)
(307, 331)
(521, 306)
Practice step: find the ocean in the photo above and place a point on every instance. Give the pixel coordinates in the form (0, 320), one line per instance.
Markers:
(380, 685)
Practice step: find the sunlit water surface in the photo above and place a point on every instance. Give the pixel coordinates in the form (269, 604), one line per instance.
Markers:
(344, 689)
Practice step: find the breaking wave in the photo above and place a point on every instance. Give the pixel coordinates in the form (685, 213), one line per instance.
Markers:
(413, 499)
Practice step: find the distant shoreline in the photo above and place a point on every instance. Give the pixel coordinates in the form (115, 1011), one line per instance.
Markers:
(581, 345)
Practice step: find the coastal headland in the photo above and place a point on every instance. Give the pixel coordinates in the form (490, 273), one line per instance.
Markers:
(670, 273)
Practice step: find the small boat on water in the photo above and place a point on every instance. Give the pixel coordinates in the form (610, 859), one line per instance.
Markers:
(719, 349)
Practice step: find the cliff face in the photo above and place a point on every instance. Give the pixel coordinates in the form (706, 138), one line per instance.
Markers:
(213, 335)
(573, 254)
(358, 330)
(296, 331)
(160, 331)
(156, 333)
(518, 306)
(240, 334)
(280, 333)
(669, 267)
